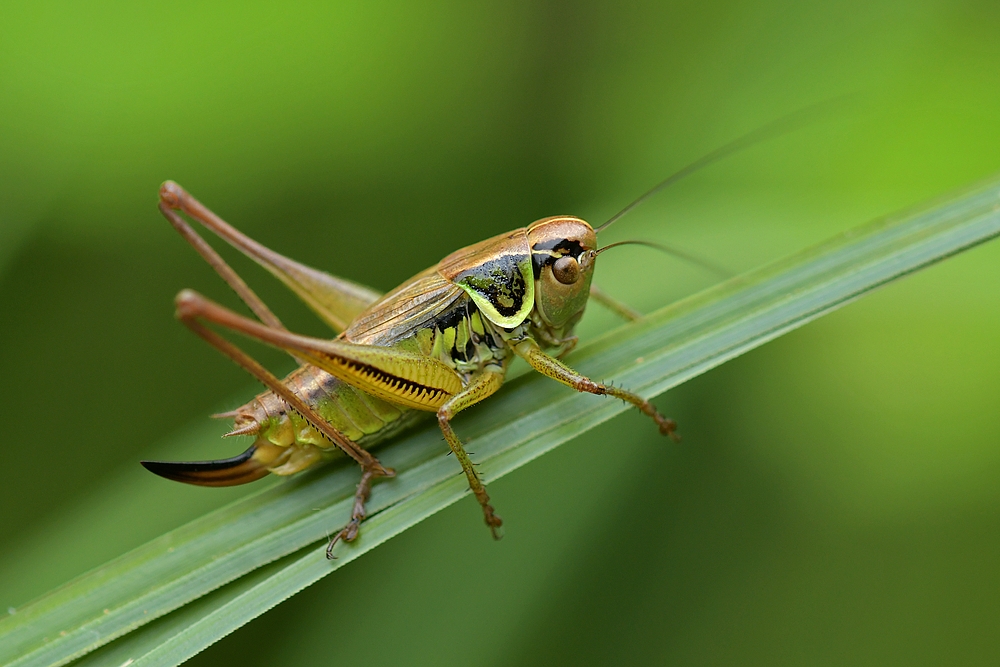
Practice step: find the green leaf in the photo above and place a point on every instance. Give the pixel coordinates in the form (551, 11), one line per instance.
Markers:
(185, 590)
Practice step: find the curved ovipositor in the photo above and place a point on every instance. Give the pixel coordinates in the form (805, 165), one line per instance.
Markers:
(222, 472)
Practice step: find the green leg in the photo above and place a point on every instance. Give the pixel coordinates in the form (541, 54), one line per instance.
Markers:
(482, 385)
(555, 369)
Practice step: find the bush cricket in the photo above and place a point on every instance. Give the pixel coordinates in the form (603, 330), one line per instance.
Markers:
(440, 342)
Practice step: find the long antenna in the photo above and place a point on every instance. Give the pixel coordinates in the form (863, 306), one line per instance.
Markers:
(775, 128)
(670, 250)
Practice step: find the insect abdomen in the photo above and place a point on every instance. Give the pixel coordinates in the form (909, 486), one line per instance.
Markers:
(287, 443)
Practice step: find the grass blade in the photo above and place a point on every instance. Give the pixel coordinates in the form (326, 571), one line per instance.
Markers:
(532, 415)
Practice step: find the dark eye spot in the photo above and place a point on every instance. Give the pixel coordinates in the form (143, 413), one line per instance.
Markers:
(566, 270)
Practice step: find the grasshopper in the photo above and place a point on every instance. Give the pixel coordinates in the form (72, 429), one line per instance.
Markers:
(441, 342)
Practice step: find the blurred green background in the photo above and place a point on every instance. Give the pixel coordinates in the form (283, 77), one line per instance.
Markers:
(836, 499)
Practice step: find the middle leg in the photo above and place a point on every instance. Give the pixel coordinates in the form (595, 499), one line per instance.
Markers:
(482, 385)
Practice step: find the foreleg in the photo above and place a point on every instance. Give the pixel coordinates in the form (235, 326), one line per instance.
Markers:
(555, 369)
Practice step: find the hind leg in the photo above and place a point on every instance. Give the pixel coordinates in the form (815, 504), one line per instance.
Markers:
(349, 532)
(335, 300)
(192, 309)
(248, 467)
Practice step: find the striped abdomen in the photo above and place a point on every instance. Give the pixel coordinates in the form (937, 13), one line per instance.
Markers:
(286, 443)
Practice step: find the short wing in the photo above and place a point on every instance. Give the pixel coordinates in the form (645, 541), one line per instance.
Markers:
(414, 305)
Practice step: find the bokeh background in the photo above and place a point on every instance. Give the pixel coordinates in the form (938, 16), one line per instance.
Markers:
(837, 496)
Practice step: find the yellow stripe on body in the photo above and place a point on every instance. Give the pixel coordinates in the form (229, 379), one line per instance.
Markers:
(461, 335)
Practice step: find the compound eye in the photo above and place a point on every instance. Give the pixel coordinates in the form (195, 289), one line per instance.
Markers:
(566, 270)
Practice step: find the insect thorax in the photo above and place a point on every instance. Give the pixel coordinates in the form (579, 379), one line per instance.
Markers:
(464, 339)
(467, 341)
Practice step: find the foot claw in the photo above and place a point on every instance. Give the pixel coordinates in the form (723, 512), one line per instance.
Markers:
(348, 534)
(668, 427)
(495, 523)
